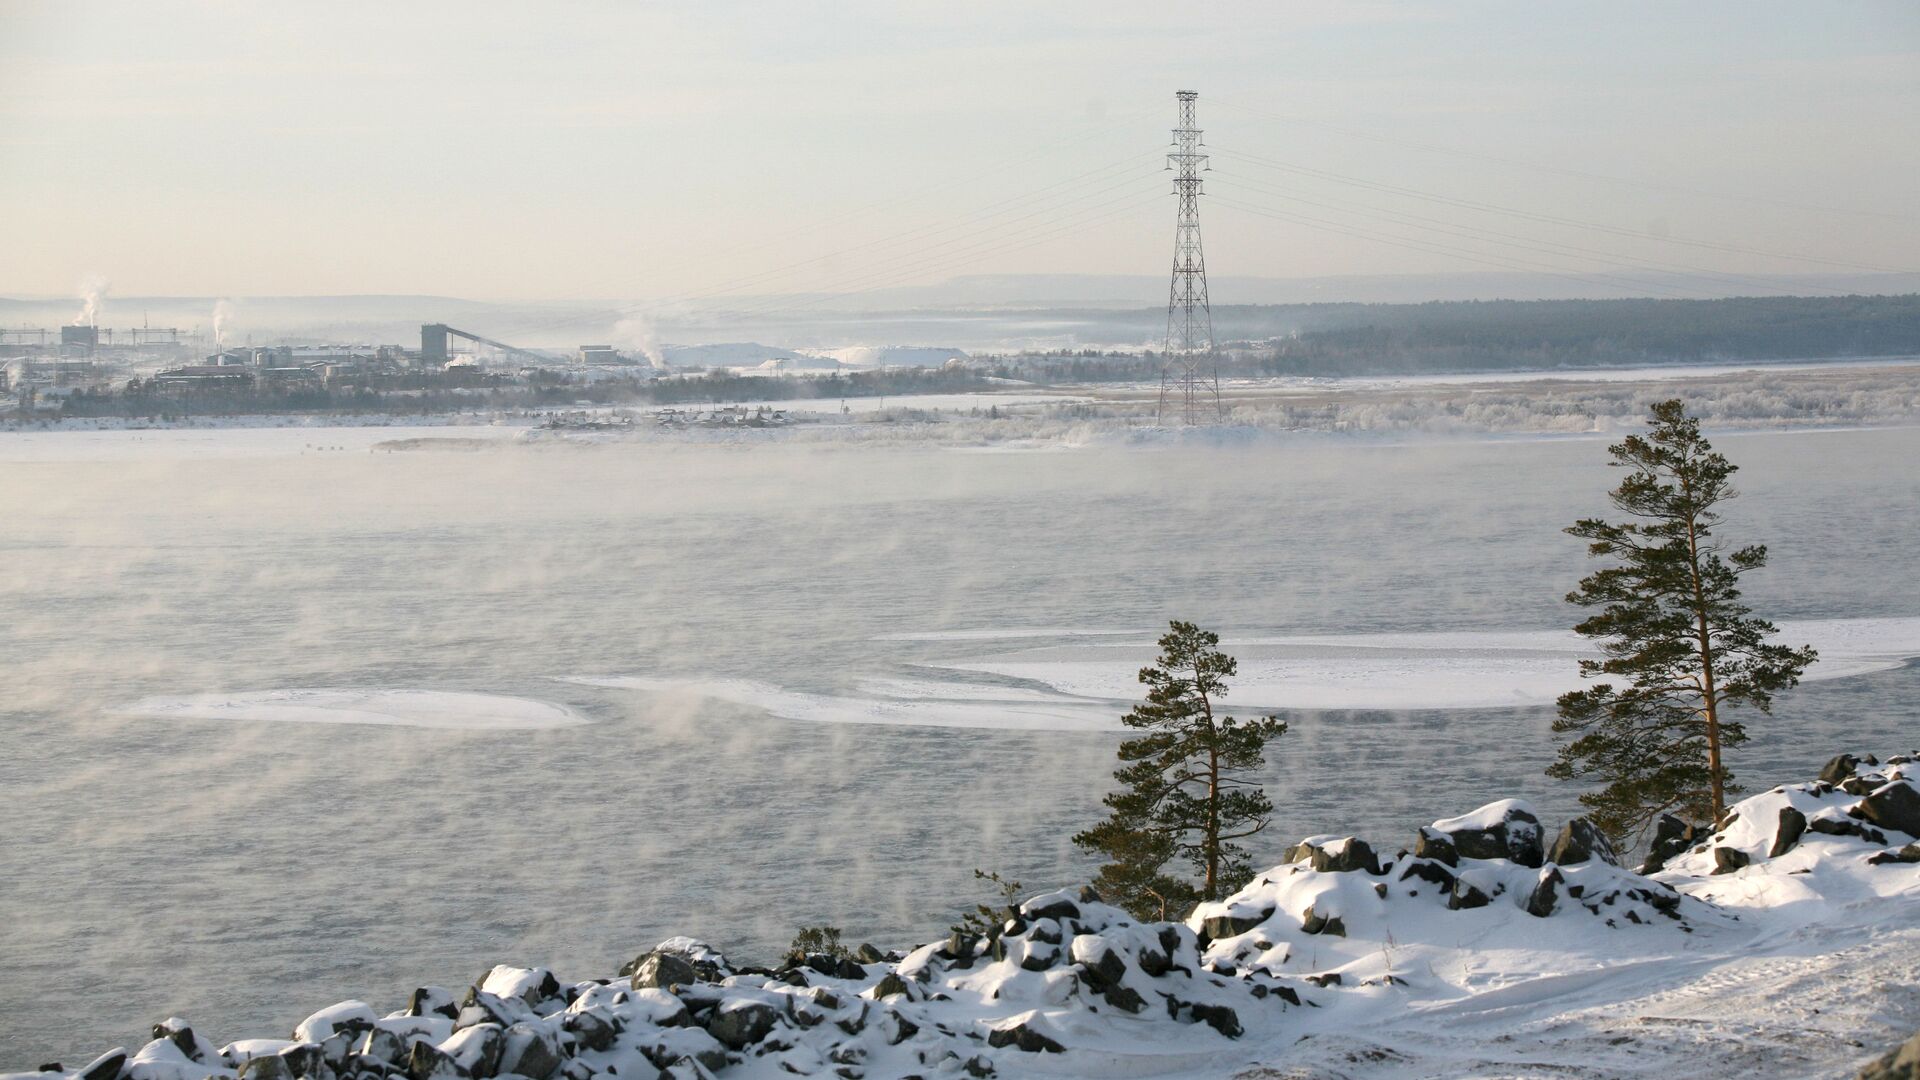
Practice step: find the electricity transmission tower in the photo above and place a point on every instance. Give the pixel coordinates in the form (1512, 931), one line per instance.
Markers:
(1190, 376)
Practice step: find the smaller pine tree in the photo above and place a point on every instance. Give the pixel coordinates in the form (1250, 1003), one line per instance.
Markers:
(1184, 791)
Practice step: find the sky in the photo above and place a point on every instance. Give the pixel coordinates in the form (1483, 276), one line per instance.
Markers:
(666, 153)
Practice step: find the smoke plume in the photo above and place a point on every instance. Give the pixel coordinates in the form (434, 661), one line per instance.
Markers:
(93, 295)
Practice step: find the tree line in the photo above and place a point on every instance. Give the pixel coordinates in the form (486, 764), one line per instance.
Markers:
(1682, 658)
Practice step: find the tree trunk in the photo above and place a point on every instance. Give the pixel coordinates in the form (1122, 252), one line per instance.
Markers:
(1711, 708)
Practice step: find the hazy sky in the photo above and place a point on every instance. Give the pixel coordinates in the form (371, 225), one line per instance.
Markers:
(648, 151)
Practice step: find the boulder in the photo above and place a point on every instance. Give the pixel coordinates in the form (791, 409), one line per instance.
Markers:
(1022, 1036)
(1220, 1018)
(385, 1046)
(867, 954)
(530, 1051)
(476, 1050)
(1545, 895)
(741, 1022)
(1845, 827)
(425, 1062)
(1908, 854)
(1465, 896)
(663, 970)
(1429, 871)
(592, 1029)
(1234, 922)
(266, 1067)
(1344, 856)
(350, 1016)
(1101, 964)
(1507, 829)
(1839, 768)
(1895, 807)
(1793, 825)
(1579, 841)
(1436, 845)
(1727, 860)
(433, 1000)
(1312, 922)
(1053, 905)
(1671, 836)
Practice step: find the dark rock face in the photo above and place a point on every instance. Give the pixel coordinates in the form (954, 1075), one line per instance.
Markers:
(1024, 1038)
(1431, 872)
(658, 969)
(1845, 827)
(1908, 854)
(1793, 825)
(1234, 924)
(426, 1062)
(1515, 837)
(1726, 860)
(740, 1024)
(1436, 845)
(1315, 923)
(591, 1029)
(1100, 966)
(531, 1052)
(1465, 896)
(1671, 836)
(1579, 841)
(1354, 855)
(1895, 806)
(1220, 1018)
(1545, 895)
(1839, 768)
(889, 985)
(432, 1001)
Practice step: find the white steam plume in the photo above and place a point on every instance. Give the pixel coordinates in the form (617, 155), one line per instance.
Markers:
(635, 334)
(222, 315)
(93, 295)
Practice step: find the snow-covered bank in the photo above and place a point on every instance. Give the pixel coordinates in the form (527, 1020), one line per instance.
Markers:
(1783, 942)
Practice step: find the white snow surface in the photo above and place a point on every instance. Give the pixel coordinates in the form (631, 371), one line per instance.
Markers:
(388, 707)
(1801, 964)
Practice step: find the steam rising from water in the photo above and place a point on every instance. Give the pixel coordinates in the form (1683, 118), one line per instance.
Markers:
(234, 873)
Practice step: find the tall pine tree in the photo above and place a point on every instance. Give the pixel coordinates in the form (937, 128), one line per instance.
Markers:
(1184, 791)
(1673, 629)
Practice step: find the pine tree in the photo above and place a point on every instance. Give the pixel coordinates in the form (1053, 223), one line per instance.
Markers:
(1672, 626)
(1184, 792)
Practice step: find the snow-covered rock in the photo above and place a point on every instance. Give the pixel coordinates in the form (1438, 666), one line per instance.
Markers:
(1338, 940)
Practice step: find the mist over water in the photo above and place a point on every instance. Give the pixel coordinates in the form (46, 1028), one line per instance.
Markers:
(242, 873)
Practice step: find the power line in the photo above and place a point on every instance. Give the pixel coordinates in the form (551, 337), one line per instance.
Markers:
(1492, 208)
(1561, 170)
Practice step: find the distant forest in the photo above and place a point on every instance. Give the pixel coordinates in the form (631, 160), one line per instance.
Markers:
(1498, 335)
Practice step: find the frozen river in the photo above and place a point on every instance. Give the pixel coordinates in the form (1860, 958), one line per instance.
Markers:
(282, 725)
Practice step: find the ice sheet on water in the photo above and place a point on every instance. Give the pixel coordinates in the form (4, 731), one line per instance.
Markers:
(906, 703)
(392, 708)
(1446, 670)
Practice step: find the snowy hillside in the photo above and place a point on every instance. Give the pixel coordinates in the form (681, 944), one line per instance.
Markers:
(1784, 943)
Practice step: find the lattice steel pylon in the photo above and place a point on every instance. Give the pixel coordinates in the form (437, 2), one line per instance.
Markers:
(1190, 377)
